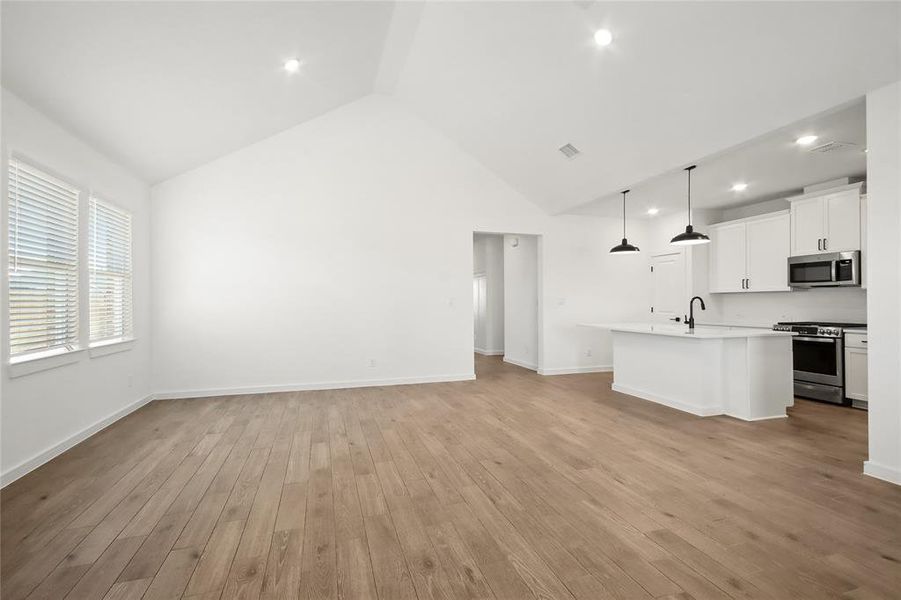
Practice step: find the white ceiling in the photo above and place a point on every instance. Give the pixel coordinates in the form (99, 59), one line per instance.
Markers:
(773, 166)
(165, 87)
(512, 82)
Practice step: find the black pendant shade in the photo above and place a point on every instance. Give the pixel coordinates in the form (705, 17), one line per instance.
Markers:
(625, 247)
(689, 237)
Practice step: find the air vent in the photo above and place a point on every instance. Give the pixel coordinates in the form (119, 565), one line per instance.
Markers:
(570, 151)
(832, 147)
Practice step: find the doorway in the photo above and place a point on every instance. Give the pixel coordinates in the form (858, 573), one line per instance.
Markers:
(506, 311)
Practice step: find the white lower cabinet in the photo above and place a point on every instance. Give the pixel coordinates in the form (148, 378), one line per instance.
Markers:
(856, 368)
(750, 255)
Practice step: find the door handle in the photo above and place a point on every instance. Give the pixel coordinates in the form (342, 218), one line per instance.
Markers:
(825, 243)
(820, 244)
(748, 284)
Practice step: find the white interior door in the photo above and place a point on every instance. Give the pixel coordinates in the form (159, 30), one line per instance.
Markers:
(668, 299)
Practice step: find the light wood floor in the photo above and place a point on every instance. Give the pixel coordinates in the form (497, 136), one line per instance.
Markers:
(513, 487)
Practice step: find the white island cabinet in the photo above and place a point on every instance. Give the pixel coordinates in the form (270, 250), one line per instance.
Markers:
(742, 372)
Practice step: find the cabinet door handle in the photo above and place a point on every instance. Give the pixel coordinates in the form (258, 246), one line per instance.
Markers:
(819, 243)
(825, 243)
(748, 284)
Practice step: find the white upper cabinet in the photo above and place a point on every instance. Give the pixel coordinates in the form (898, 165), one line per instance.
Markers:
(728, 257)
(750, 255)
(843, 221)
(768, 251)
(826, 221)
(808, 220)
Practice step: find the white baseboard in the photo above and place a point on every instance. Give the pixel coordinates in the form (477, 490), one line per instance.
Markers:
(304, 387)
(883, 472)
(701, 412)
(484, 352)
(52, 452)
(520, 363)
(576, 370)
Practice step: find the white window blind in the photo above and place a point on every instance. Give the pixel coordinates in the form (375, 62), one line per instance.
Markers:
(43, 262)
(109, 264)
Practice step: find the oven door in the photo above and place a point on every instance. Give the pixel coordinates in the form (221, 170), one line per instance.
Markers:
(818, 359)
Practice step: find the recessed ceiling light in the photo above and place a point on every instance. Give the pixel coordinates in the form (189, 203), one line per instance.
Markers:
(739, 187)
(653, 211)
(603, 37)
(806, 140)
(292, 65)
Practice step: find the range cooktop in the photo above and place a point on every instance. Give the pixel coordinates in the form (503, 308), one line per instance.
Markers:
(824, 324)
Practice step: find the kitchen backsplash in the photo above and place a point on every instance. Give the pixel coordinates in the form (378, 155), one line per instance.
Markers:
(826, 304)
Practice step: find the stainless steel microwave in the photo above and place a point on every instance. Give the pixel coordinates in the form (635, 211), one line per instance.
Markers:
(832, 269)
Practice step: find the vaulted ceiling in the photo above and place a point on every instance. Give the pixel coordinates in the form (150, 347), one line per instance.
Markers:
(165, 87)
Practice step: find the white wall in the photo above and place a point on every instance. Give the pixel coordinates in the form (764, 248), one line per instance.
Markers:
(297, 261)
(488, 260)
(45, 412)
(521, 300)
(884, 281)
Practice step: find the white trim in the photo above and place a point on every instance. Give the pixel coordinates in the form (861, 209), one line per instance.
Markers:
(883, 472)
(52, 452)
(521, 363)
(484, 352)
(110, 347)
(827, 191)
(301, 387)
(19, 367)
(753, 419)
(575, 370)
(701, 412)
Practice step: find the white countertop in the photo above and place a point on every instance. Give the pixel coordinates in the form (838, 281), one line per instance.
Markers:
(681, 330)
(856, 330)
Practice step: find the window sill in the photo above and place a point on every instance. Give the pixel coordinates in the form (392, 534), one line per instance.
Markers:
(108, 347)
(29, 365)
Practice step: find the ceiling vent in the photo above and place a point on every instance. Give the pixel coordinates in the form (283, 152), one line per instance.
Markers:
(832, 147)
(570, 151)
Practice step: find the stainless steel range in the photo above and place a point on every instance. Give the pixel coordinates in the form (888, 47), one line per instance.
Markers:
(819, 354)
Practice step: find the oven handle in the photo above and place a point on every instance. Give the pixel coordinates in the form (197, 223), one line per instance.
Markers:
(821, 340)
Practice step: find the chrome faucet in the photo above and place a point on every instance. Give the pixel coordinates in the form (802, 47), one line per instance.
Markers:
(690, 319)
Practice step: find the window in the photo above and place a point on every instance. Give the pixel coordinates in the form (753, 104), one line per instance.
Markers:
(43, 263)
(109, 265)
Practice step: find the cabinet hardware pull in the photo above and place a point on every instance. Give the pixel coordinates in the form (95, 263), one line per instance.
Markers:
(819, 244)
(825, 243)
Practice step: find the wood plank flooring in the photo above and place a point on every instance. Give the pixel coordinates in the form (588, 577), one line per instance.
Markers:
(514, 486)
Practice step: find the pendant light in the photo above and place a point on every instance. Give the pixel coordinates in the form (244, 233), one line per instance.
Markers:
(625, 247)
(690, 237)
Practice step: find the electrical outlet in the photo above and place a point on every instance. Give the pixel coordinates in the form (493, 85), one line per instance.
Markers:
(588, 352)
(371, 363)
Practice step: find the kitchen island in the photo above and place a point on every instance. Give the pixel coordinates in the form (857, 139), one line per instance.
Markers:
(742, 372)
